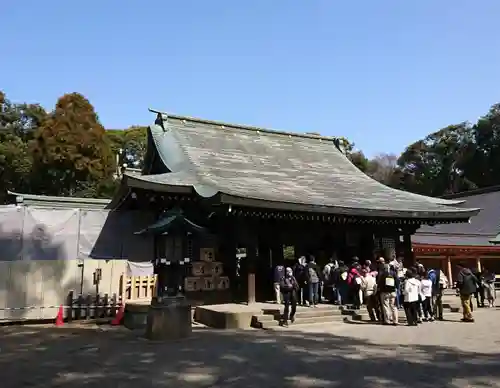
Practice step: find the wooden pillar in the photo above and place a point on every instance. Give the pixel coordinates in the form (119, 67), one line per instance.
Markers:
(227, 252)
(450, 272)
(408, 259)
(264, 272)
(478, 264)
(251, 258)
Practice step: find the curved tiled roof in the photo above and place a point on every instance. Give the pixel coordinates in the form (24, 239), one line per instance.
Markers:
(300, 170)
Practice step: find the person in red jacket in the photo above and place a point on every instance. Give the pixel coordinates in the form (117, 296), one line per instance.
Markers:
(354, 280)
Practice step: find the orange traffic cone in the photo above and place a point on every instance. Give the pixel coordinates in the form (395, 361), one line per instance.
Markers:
(60, 316)
(119, 316)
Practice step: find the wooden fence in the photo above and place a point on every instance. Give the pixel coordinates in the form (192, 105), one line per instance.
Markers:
(137, 288)
(92, 306)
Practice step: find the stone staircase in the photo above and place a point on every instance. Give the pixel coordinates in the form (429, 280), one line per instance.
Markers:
(323, 314)
(361, 316)
(269, 318)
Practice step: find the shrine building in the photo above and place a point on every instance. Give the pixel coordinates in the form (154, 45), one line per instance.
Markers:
(237, 188)
(472, 244)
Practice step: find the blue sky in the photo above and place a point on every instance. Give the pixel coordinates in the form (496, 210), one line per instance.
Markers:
(382, 73)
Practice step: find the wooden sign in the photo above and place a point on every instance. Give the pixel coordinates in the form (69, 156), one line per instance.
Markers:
(199, 268)
(209, 284)
(217, 268)
(207, 254)
(193, 284)
(223, 283)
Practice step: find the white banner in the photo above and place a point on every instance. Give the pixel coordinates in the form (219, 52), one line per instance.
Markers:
(139, 269)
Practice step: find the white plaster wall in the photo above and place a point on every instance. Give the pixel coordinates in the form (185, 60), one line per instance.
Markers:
(28, 289)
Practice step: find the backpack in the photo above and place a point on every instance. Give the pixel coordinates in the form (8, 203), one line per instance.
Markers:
(329, 273)
(313, 276)
(287, 284)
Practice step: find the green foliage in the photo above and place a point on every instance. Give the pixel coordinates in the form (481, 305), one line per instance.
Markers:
(71, 148)
(132, 142)
(18, 122)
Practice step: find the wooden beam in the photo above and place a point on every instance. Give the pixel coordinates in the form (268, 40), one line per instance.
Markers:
(440, 257)
(419, 248)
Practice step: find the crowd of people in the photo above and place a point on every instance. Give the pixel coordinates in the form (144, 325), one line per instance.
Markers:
(383, 287)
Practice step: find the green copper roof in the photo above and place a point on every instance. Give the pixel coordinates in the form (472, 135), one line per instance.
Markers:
(277, 169)
(172, 221)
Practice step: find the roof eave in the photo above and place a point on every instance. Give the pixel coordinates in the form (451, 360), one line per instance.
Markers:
(462, 215)
(138, 183)
(421, 247)
(496, 240)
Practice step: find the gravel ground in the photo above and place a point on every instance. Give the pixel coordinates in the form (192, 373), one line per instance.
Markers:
(440, 354)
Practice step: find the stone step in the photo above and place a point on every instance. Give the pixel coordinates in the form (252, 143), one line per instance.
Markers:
(301, 314)
(321, 314)
(302, 326)
(401, 317)
(304, 321)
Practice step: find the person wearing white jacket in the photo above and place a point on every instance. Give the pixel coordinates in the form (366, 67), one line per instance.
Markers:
(411, 290)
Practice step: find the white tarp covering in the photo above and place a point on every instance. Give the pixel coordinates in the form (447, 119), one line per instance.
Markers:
(11, 233)
(139, 269)
(50, 234)
(31, 233)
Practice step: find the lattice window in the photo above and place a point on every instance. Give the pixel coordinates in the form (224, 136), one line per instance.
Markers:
(388, 247)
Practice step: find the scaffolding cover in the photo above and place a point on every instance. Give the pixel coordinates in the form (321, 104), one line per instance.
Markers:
(50, 234)
(11, 233)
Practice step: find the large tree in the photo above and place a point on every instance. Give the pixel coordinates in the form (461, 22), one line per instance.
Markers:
(18, 122)
(131, 142)
(382, 168)
(436, 165)
(481, 161)
(72, 154)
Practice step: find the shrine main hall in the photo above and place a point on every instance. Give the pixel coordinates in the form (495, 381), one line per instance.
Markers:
(238, 188)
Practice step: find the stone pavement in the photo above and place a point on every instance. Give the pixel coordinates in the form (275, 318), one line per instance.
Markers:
(440, 354)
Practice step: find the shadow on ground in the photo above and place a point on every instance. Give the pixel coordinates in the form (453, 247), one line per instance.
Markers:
(83, 357)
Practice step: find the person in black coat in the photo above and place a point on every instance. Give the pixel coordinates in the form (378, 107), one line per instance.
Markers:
(467, 286)
(289, 288)
(300, 274)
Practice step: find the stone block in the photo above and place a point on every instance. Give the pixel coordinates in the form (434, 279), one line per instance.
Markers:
(169, 319)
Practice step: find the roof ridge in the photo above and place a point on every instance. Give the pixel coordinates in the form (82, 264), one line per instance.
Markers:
(252, 128)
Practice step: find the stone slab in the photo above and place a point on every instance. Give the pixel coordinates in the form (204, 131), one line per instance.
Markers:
(169, 321)
(227, 316)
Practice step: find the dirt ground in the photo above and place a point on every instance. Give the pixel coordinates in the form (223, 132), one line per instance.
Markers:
(444, 354)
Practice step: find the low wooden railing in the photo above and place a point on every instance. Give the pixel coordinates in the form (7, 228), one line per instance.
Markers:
(137, 288)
